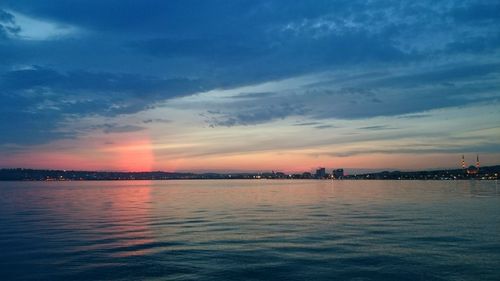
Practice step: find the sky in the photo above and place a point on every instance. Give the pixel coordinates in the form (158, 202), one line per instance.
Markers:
(249, 85)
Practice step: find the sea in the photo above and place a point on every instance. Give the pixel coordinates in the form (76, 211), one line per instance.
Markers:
(250, 230)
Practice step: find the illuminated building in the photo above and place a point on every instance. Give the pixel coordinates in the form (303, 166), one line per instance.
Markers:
(471, 170)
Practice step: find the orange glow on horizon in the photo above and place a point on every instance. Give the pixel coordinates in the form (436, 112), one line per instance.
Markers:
(133, 155)
(137, 152)
(127, 152)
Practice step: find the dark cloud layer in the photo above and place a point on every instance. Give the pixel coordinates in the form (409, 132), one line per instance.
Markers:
(123, 57)
(7, 24)
(39, 100)
(115, 128)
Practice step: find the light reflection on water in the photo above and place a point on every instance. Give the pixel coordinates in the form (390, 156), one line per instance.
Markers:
(250, 230)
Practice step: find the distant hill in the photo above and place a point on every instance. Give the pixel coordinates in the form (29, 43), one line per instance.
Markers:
(488, 172)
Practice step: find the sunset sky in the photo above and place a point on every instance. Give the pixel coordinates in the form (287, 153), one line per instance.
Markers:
(249, 85)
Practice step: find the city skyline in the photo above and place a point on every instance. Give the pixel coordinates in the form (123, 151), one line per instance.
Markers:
(248, 86)
(473, 172)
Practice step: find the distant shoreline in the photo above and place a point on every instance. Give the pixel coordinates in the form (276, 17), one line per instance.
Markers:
(21, 174)
(248, 179)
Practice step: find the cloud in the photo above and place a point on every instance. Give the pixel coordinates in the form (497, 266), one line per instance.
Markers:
(111, 83)
(8, 26)
(24, 128)
(370, 58)
(156, 120)
(404, 92)
(477, 12)
(254, 95)
(33, 29)
(253, 114)
(205, 48)
(307, 124)
(414, 116)
(115, 128)
(377, 128)
(324, 127)
(457, 149)
(75, 83)
(444, 75)
(6, 17)
(42, 100)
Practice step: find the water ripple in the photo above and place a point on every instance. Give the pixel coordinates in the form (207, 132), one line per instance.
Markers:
(250, 230)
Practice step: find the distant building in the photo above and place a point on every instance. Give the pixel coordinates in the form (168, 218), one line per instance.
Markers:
(307, 175)
(320, 173)
(338, 173)
(279, 175)
(471, 170)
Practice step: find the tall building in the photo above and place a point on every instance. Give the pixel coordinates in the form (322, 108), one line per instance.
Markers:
(338, 173)
(320, 173)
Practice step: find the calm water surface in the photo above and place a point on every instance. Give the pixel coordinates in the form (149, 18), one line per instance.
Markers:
(250, 230)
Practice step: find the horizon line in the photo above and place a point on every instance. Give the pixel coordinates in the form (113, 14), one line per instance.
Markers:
(367, 170)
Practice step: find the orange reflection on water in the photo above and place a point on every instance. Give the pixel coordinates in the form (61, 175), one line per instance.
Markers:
(131, 213)
(110, 218)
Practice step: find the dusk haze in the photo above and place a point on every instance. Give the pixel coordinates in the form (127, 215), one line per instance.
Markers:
(249, 140)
